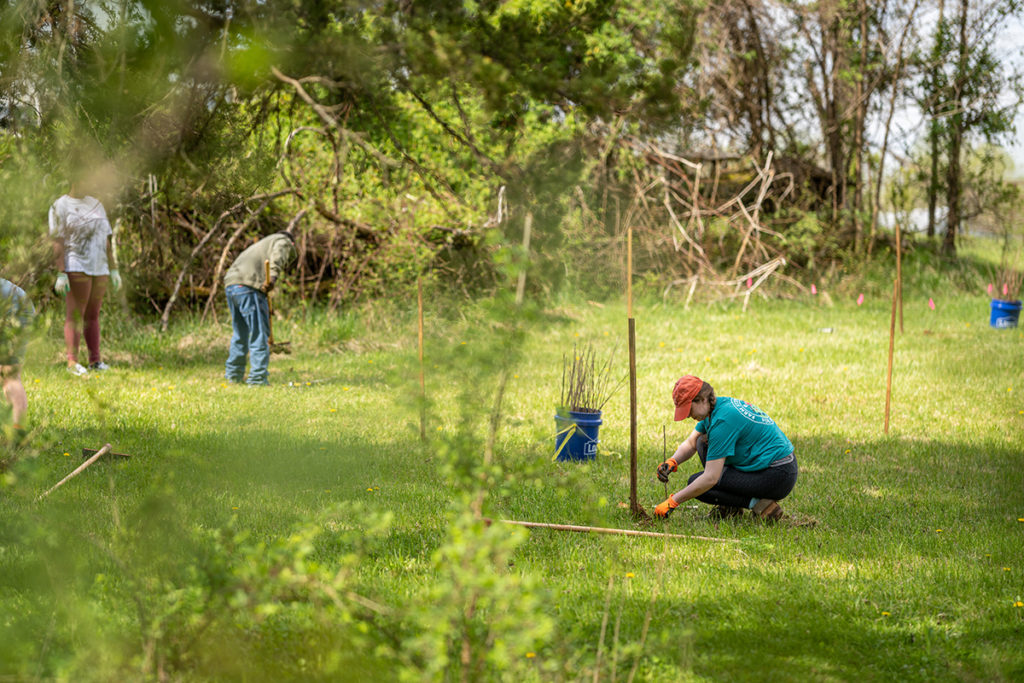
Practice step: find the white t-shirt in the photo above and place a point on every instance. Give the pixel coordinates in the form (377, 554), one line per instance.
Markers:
(83, 225)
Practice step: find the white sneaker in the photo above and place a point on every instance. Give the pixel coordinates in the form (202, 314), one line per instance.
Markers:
(99, 365)
(77, 370)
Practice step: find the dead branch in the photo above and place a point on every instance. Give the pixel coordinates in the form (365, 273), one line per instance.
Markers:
(266, 198)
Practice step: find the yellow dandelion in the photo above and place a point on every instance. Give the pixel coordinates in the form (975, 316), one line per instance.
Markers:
(515, 376)
(530, 655)
(1018, 604)
(577, 334)
(309, 384)
(847, 451)
(968, 324)
(344, 388)
(370, 490)
(376, 488)
(223, 384)
(706, 358)
(1006, 569)
(801, 349)
(1009, 388)
(886, 614)
(938, 531)
(438, 428)
(171, 387)
(630, 575)
(661, 344)
(37, 380)
(1020, 519)
(606, 333)
(371, 360)
(334, 410)
(234, 507)
(66, 454)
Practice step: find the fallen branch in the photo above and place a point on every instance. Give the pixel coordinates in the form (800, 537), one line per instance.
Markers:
(605, 530)
(96, 456)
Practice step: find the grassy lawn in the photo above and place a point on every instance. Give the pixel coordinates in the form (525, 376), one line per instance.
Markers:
(305, 531)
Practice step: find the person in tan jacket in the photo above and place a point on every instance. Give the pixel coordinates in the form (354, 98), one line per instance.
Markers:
(246, 287)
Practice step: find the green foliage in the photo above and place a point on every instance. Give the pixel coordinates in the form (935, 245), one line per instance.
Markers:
(479, 619)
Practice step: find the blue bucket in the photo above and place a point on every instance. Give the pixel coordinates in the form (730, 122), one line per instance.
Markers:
(580, 429)
(1004, 314)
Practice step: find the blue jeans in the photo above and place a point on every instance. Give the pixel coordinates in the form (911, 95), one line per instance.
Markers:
(250, 322)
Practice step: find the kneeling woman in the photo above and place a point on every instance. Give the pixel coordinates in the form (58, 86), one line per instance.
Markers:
(748, 461)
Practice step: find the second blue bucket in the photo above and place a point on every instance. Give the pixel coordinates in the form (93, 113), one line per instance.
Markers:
(1004, 313)
(581, 431)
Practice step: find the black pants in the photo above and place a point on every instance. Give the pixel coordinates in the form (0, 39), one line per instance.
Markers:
(736, 488)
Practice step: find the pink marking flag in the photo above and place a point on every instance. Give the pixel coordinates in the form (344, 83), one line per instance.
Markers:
(814, 290)
(750, 282)
(1005, 289)
(990, 289)
(931, 304)
(860, 299)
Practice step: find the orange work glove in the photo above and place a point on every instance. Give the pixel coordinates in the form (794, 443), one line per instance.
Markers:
(665, 509)
(666, 468)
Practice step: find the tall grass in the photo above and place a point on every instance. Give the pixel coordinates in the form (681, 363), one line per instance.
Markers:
(304, 531)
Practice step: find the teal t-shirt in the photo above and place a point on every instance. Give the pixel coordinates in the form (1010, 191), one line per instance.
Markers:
(744, 435)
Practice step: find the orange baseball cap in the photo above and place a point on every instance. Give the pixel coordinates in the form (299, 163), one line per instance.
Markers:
(685, 390)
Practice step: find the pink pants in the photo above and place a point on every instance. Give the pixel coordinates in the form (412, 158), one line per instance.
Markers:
(83, 304)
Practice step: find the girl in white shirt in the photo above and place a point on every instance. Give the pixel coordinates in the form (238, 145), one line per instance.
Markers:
(83, 254)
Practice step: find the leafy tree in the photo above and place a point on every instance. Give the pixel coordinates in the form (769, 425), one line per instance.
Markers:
(970, 94)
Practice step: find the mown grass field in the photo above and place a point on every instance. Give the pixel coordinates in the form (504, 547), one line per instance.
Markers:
(213, 553)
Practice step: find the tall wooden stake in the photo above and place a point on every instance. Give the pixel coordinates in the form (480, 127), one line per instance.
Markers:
(899, 272)
(423, 385)
(892, 340)
(634, 505)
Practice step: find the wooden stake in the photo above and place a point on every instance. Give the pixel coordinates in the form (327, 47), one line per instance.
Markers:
(423, 385)
(605, 530)
(99, 454)
(899, 272)
(634, 505)
(629, 273)
(892, 340)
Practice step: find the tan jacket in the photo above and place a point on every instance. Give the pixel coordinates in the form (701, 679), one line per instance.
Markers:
(248, 267)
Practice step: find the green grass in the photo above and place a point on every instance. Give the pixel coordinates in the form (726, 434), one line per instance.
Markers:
(204, 556)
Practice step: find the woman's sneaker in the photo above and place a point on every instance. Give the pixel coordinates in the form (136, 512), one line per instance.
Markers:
(767, 509)
(99, 365)
(77, 370)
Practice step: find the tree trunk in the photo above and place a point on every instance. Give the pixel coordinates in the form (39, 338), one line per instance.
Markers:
(933, 141)
(953, 179)
(933, 178)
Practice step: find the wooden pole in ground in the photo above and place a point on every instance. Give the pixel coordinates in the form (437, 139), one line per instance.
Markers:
(423, 385)
(634, 505)
(99, 454)
(892, 341)
(605, 530)
(899, 272)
